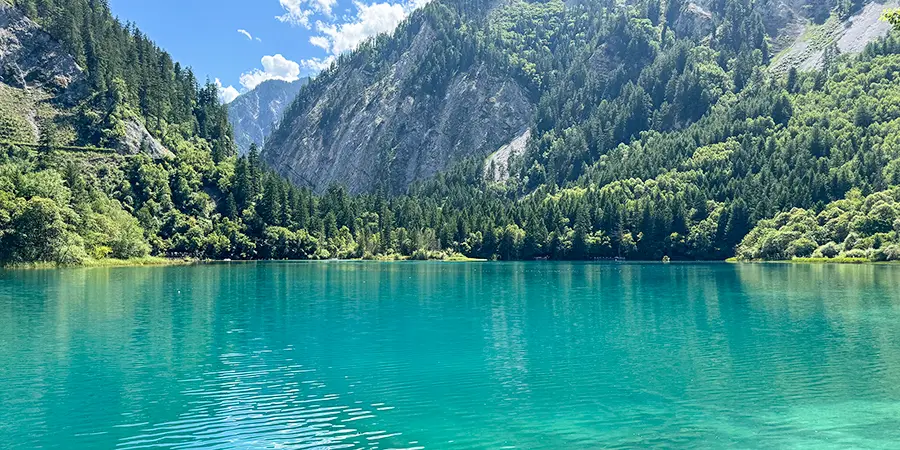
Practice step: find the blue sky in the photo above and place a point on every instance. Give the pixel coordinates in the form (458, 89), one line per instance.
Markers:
(243, 45)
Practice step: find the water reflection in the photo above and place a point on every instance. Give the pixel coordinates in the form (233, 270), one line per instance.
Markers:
(529, 355)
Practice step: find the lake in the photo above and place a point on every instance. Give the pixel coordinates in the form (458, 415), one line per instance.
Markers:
(451, 355)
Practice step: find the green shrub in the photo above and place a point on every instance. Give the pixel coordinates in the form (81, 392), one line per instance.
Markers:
(829, 250)
(855, 253)
(801, 248)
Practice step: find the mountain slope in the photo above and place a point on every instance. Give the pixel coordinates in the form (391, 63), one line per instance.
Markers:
(400, 110)
(255, 114)
(461, 81)
(656, 132)
(813, 43)
(42, 85)
(108, 148)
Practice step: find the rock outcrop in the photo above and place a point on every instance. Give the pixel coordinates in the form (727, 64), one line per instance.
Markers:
(139, 140)
(496, 168)
(388, 138)
(255, 114)
(30, 57)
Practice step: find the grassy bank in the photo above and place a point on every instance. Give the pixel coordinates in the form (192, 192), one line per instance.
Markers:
(836, 260)
(108, 262)
(442, 257)
(156, 261)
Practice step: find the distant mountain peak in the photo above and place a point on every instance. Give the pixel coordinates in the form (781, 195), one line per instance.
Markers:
(256, 113)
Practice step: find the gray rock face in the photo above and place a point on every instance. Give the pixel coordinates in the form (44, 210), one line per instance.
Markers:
(388, 139)
(30, 57)
(36, 64)
(806, 48)
(255, 114)
(496, 168)
(694, 20)
(139, 140)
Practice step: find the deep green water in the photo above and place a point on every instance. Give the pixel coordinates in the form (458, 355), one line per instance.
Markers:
(445, 355)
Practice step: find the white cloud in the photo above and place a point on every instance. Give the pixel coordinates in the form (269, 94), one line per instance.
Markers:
(370, 21)
(275, 67)
(316, 65)
(298, 12)
(338, 35)
(226, 94)
(321, 42)
(246, 33)
(323, 6)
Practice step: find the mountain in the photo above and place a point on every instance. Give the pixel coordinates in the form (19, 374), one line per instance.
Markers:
(400, 109)
(461, 80)
(525, 130)
(41, 83)
(108, 147)
(255, 114)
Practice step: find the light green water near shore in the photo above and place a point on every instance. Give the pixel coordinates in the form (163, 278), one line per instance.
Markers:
(451, 355)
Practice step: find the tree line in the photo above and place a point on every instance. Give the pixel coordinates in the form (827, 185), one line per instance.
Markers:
(684, 155)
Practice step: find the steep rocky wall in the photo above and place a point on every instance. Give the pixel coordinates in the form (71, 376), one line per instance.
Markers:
(385, 139)
(30, 57)
(256, 113)
(37, 68)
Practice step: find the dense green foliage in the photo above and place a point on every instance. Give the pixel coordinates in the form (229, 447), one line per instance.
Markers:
(647, 144)
(893, 16)
(128, 76)
(61, 214)
(855, 227)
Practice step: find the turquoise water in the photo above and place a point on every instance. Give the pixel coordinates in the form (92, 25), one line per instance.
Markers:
(445, 355)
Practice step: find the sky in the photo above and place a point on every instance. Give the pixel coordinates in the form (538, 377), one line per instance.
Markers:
(241, 43)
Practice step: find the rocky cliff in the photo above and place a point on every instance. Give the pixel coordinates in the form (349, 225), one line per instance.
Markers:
(386, 130)
(255, 114)
(29, 57)
(375, 122)
(40, 85)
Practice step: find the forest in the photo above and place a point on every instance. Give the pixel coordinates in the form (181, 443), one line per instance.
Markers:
(692, 151)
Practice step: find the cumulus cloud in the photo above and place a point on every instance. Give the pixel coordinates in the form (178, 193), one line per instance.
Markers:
(321, 42)
(370, 20)
(315, 65)
(338, 35)
(226, 94)
(299, 12)
(275, 67)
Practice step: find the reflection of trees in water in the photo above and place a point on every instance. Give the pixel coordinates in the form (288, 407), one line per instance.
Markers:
(835, 321)
(561, 348)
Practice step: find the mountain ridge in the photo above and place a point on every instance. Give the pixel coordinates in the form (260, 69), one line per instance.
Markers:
(648, 140)
(255, 113)
(379, 135)
(370, 125)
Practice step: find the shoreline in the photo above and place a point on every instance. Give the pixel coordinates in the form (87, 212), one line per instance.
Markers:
(824, 261)
(150, 261)
(153, 261)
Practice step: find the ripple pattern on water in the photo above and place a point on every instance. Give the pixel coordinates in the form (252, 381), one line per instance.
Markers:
(483, 356)
(261, 403)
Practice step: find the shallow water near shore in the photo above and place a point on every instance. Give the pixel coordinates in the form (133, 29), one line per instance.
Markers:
(451, 355)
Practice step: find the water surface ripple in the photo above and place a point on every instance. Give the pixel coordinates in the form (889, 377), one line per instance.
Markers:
(439, 355)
